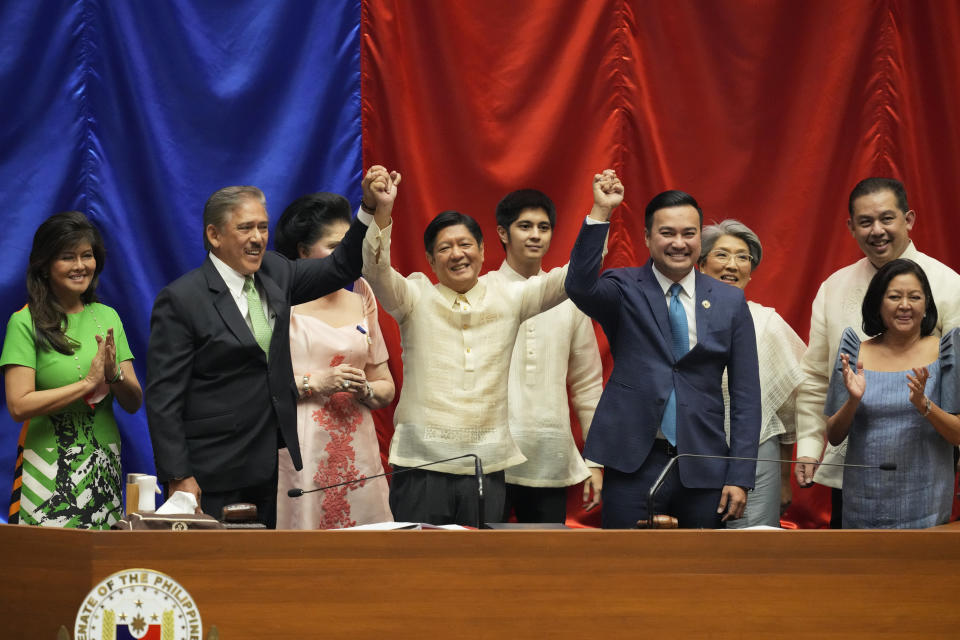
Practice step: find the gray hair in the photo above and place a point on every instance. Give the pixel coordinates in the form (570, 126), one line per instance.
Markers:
(711, 233)
(222, 203)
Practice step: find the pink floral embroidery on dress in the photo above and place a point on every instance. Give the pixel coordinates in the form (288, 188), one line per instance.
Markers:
(339, 416)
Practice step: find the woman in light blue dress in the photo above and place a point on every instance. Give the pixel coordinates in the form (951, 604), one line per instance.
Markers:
(895, 397)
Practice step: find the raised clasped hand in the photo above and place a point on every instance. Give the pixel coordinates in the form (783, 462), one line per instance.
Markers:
(380, 186)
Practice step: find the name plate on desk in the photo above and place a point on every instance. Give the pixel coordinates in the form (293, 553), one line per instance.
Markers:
(174, 522)
(138, 603)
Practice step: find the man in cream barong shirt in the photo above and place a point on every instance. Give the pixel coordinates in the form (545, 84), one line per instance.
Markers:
(555, 367)
(880, 221)
(457, 337)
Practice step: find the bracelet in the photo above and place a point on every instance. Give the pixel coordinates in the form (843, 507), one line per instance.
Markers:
(307, 391)
(118, 377)
(369, 391)
(926, 407)
(367, 208)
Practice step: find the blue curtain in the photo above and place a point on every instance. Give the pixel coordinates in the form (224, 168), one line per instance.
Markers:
(135, 112)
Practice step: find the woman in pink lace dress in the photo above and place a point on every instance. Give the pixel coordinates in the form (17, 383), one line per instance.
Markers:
(340, 365)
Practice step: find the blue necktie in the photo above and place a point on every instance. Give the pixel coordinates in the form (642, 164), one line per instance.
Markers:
(681, 344)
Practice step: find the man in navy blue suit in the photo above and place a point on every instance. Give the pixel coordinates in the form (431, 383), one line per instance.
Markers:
(672, 332)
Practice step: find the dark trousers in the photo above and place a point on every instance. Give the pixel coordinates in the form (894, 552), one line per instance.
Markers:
(836, 508)
(625, 497)
(536, 504)
(263, 495)
(438, 498)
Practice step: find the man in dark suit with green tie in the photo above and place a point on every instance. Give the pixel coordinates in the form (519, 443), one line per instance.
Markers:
(221, 397)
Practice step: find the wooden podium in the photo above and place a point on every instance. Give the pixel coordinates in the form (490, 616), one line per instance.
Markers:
(506, 584)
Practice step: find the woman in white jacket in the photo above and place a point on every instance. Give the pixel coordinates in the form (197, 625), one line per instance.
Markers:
(730, 252)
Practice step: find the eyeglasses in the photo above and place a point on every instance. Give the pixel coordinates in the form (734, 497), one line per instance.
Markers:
(740, 259)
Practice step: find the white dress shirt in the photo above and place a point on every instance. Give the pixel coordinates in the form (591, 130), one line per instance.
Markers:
(554, 350)
(234, 281)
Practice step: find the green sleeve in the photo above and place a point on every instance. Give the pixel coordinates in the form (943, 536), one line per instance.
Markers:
(19, 344)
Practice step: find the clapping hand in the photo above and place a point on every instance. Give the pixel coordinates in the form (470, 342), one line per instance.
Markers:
(109, 356)
(95, 374)
(854, 379)
(917, 383)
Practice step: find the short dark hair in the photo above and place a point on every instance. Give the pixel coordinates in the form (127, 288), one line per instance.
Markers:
(869, 186)
(666, 199)
(872, 322)
(449, 219)
(516, 202)
(223, 202)
(56, 234)
(306, 219)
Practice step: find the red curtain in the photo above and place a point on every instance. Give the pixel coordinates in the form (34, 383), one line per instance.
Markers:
(766, 111)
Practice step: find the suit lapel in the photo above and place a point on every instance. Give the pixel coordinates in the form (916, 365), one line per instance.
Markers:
(227, 308)
(658, 305)
(703, 306)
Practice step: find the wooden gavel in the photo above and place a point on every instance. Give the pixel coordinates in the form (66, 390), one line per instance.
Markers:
(660, 521)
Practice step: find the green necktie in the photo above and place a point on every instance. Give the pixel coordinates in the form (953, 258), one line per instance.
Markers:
(261, 328)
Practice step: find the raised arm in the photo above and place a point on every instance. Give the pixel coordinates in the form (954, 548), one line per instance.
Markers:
(379, 193)
(394, 292)
(595, 297)
(607, 195)
(838, 424)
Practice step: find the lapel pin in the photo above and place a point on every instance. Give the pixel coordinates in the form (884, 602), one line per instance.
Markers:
(706, 304)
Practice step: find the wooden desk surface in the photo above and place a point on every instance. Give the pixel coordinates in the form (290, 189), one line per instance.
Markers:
(508, 584)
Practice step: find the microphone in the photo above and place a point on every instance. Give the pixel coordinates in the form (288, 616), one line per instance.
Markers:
(296, 492)
(653, 523)
(478, 472)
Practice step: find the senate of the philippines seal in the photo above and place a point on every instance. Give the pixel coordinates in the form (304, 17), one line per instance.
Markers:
(138, 604)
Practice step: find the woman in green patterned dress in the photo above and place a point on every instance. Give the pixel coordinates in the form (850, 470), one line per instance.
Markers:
(65, 358)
